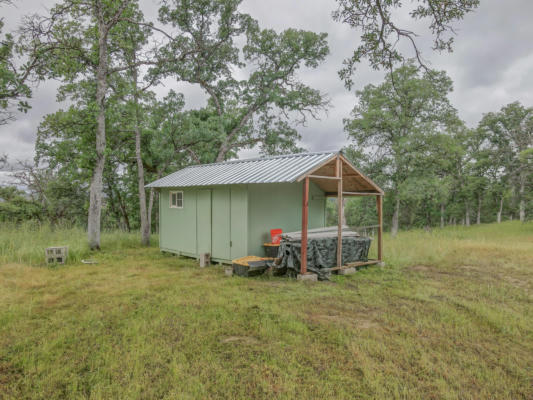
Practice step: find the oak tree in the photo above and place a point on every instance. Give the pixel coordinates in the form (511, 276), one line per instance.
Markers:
(394, 124)
(254, 93)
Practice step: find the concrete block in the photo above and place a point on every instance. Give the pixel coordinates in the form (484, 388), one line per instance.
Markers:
(205, 259)
(228, 271)
(56, 255)
(347, 271)
(381, 264)
(307, 277)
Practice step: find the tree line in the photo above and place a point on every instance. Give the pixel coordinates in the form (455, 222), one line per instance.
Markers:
(94, 156)
(436, 171)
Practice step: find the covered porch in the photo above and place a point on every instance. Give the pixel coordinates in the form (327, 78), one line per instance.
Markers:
(337, 177)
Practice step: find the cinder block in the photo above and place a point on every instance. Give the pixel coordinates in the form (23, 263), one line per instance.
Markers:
(347, 271)
(205, 259)
(228, 271)
(307, 277)
(56, 255)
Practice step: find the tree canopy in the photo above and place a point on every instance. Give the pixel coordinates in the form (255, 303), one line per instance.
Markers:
(256, 110)
(395, 128)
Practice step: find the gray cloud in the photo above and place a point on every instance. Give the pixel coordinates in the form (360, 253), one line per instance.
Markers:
(495, 38)
(491, 66)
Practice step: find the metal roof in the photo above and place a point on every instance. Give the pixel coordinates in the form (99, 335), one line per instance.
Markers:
(286, 168)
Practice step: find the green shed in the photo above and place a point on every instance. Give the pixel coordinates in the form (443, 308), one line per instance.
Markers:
(227, 209)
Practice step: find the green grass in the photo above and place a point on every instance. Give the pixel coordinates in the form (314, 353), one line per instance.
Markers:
(26, 243)
(449, 317)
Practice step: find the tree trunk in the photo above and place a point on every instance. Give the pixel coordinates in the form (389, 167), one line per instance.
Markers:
(499, 215)
(150, 207)
(467, 215)
(478, 218)
(95, 191)
(395, 218)
(442, 209)
(522, 211)
(157, 211)
(153, 195)
(145, 224)
(225, 147)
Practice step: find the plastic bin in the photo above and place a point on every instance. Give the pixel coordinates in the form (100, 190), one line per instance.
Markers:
(275, 235)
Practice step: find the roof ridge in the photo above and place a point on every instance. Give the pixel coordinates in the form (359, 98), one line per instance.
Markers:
(243, 160)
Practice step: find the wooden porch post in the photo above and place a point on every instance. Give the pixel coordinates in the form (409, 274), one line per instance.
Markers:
(338, 174)
(379, 206)
(305, 214)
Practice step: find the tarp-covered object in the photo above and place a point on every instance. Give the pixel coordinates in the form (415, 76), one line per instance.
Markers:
(321, 253)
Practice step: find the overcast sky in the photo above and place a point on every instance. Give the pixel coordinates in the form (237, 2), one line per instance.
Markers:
(492, 65)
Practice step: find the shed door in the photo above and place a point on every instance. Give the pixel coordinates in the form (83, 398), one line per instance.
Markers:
(203, 221)
(221, 224)
(239, 222)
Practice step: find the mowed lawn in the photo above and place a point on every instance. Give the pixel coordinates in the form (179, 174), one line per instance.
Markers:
(449, 317)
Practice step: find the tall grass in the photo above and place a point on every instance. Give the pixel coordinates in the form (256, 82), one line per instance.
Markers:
(449, 317)
(26, 243)
(458, 244)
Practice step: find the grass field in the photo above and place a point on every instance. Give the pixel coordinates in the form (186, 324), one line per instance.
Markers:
(449, 317)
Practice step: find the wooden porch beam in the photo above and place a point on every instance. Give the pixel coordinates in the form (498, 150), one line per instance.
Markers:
(338, 174)
(379, 206)
(334, 194)
(361, 194)
(361, 175)
(305, 220)
(323, 177)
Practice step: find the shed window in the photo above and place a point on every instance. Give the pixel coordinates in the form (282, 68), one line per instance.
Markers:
(176, 199)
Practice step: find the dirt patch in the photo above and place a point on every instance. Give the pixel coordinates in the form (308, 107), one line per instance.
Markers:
(239, 340)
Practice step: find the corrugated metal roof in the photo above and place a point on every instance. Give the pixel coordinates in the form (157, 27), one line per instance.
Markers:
(286, 168)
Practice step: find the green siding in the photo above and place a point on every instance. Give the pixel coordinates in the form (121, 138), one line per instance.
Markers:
(214, 217)
(178, 225)
(203, 215)
(239, 221)
(279, 205)
(221, 223)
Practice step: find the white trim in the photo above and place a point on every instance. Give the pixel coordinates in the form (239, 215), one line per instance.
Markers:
(170, 205)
